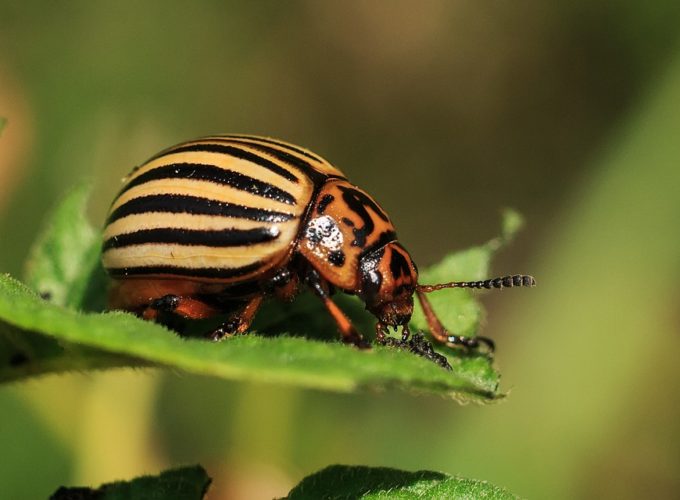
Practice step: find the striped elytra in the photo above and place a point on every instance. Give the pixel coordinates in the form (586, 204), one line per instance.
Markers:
(222, 222)
(222, 207)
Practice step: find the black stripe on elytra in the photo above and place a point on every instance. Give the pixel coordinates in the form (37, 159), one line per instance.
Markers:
(198, 272)
(223, 238)
(211, 173)
(281, 144)
(195, 205)
(302, 165)
(231, 151)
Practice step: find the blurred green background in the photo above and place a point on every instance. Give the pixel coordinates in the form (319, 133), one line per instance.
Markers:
(446, 112)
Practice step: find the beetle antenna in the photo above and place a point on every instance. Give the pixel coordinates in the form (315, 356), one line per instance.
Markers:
(501, 282)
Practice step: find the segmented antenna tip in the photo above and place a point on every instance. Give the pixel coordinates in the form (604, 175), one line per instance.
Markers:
(515, 280)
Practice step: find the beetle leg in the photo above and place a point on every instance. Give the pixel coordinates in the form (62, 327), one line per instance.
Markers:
(166, 304)
(238, 322)
(437, 330)
(405, 333)
(440, 333)
(471, 342)
(380, 332)
(284, 285)
(350, 335)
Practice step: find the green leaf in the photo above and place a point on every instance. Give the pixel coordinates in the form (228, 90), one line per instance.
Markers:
(344, 482)
(457, 308)
(186, 483)
(67, 332)
(284, 359)
(64, 261)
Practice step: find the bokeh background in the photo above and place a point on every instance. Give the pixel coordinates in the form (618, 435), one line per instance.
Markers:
(446, 111)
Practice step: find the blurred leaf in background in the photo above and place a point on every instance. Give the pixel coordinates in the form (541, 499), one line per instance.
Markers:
(186, 483)
(343, 481)
(567, 111)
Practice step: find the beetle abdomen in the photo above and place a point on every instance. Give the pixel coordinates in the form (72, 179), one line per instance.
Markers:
(224, 208)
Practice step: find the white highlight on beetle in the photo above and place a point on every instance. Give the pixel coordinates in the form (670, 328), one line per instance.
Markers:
(323, 236)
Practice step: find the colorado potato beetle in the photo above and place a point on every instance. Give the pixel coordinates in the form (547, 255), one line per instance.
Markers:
(233, 219)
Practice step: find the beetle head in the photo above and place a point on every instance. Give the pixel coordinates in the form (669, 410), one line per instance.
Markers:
(389, 278)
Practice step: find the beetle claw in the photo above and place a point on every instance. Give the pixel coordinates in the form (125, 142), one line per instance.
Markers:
(405, 333)
(217, 334)
(471, 343)
(358, 342)
(228, 329)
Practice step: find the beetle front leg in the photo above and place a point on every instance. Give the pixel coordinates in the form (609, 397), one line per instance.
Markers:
(471, 342)
(239, 322)
(350, 335)
(440, 333)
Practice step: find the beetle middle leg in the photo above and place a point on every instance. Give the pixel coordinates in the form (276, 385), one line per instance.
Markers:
(284, 285)
(239, 321)
(169, 307)
(171, 310)
(442, 335)
(349, 333)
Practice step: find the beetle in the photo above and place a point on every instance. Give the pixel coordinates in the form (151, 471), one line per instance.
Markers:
(224, 221)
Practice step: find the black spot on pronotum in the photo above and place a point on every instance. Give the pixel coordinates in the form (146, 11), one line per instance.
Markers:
(357, 201)
(383, 239)
(46, 295)
(324, 202)
(337, 258)
(313, 235)
(360, 236)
